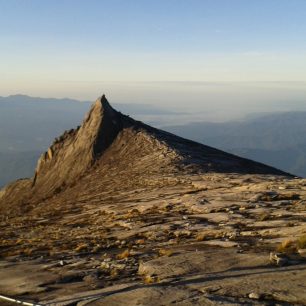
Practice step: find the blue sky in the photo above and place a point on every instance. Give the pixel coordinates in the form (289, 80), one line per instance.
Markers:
(154, 51)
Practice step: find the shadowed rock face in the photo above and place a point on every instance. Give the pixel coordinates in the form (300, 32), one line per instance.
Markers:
(110, 140)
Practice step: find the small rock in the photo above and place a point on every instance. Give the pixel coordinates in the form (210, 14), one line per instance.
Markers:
(278, 258)
(254, 295)
(302, 252)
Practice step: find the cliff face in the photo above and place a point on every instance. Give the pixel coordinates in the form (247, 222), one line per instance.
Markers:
(72, 154)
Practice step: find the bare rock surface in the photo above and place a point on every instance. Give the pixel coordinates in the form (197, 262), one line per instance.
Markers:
(120, 213)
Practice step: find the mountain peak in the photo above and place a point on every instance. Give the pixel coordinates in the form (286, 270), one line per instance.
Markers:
(103, 99)
(116, 145)
(100, 111)
(103, 102)
(76, 151)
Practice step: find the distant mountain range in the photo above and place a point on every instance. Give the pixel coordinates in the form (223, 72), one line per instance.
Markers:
(28, 126)
(276, 139)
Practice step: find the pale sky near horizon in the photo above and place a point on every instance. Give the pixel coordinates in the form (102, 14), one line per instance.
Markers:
(165, 52)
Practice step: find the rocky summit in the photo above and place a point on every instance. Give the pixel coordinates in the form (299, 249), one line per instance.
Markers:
(121, 213)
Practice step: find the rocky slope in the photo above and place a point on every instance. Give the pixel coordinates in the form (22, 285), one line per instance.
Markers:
(110, 140)
(120, 213)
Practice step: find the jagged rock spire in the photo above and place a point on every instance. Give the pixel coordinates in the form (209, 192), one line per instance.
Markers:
(77, 151)
(108, 138)
(103, 99)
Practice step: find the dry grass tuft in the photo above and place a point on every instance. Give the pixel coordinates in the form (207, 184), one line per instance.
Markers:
(114, 273)
(264, 216)
(81, 247)
(288, 246)
(148, 279)
(301, 242)
(125, 254)
(201, 236)
(165, 252)
(140, 241)
(28, 251)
